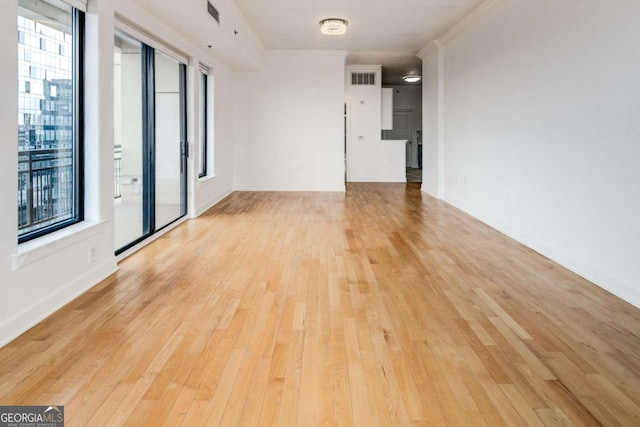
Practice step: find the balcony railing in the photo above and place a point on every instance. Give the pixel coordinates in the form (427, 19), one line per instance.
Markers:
(45, 187)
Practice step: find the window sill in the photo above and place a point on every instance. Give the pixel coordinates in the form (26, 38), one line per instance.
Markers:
(206, 179)
(42, 247)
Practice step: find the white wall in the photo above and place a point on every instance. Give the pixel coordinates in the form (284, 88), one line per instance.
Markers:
(289, 123)
(207, 191)
(431, 118)
(369, 158)
(8, 165)
(38, 277)
(541, 136)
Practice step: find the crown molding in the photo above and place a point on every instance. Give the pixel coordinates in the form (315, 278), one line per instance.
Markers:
(466, 22)
(431, 47)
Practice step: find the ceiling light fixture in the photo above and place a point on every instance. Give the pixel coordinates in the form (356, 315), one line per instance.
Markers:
(333, 26)
(412, 78)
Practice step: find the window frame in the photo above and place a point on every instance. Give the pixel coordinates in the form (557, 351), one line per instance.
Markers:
(78, 23)
(203, 167)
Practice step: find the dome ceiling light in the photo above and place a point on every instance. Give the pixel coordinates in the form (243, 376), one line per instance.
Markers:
(412, 78)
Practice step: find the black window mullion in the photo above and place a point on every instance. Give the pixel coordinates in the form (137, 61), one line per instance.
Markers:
(78, 107)
(183, 138)
(205, 114)
(148, 138)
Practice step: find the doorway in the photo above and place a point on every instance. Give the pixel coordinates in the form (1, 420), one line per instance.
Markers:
(149, 154)
(404, 129)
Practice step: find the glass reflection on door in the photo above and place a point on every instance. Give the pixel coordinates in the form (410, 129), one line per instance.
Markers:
(128, 149)
(169, 140)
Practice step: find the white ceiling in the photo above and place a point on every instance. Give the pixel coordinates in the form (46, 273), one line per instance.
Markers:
(379, 32)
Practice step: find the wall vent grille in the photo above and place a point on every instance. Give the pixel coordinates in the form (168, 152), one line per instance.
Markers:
(363, 79)
(213, 12)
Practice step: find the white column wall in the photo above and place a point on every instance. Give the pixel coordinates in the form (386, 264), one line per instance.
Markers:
(540, 106)
(369, 157)
(431, 83)
(209, 190)
(289, 119)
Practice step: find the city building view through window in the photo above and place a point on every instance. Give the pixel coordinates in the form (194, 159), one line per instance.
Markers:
(46, 137)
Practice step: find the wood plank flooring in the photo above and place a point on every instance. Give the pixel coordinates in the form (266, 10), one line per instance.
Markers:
(377, 307)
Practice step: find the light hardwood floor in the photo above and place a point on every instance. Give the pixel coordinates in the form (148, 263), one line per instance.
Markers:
(381, 306)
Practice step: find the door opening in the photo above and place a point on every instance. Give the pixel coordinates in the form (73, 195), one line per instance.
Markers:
(404, 129)
(150, 140)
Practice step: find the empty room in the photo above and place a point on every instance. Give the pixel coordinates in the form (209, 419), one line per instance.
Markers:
(289, 213)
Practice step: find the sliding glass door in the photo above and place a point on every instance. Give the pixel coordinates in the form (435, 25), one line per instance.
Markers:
(170, 135)
(149, 141)
(129, 144)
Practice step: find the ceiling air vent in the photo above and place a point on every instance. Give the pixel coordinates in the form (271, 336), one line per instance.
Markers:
(363, 78)
(213, 12)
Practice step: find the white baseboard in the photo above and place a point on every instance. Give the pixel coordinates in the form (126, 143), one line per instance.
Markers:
(598, 278)
(202, 208)
(428, 191)
(155, 236)
(338, 188)
(383, 180)
(30, 316)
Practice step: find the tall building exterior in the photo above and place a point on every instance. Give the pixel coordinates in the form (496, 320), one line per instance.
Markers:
(45, 118)
(45, 86)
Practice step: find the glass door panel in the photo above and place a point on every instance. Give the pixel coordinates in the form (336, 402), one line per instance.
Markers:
(149, 141)
(169, 139)
(128, 149)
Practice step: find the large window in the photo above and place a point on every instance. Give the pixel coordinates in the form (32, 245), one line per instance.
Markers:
(50, 47)
(204, 125)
